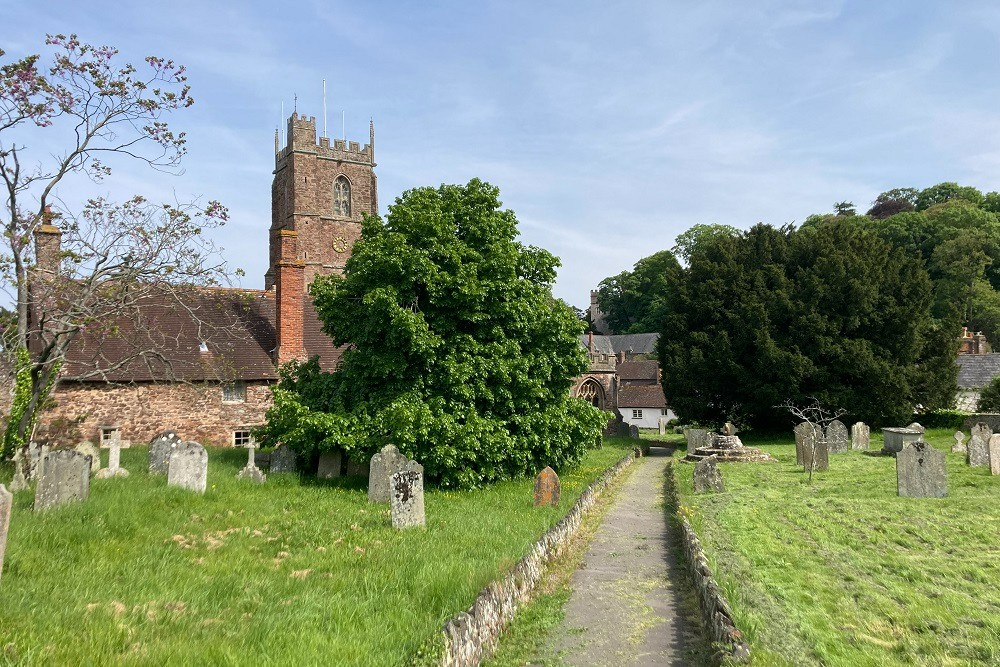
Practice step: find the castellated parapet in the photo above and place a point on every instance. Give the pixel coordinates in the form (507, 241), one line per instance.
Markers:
(302, 138)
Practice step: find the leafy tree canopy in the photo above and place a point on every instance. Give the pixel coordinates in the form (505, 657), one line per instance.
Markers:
(989, 399)
(633, 301)
(459, 353)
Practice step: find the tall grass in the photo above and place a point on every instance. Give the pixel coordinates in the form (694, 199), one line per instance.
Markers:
(297, 571)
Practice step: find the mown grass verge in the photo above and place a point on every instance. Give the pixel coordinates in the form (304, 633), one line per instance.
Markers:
(844, 572)
(297, 571)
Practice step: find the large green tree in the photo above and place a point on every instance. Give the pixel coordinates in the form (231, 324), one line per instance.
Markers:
(634, 301)
(832, 312)
(458, 352)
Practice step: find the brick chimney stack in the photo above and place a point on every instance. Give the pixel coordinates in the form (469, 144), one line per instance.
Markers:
(48, 244)
(289, 291)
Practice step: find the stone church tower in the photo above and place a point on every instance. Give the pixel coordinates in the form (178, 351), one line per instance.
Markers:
(320, 190)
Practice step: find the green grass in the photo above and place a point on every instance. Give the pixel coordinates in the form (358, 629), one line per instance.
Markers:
(293, 572)
(844, 572)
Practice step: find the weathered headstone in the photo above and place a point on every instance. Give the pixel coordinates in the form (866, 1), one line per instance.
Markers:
(860, 436)
(993, 451)
(836, 437)
(6, 503)
(250, 470)
(114, 468)
(406, 502)
(920, 471)
(978, 454)
(383, 466)
(33, 461)
(695, 438)
(915, 426)
(65, 477)
(633, 431)
(547, 488)
(188, 467)
(959, 446)
(815, 452)
(19, 482)
(983, 430)
(707, 476)
(662, 425)
(160, 448)
(802, 431)
(283, 459)
(88, 449)
(329, 465)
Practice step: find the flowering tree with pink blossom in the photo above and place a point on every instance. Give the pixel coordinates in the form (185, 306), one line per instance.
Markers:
(86, 266)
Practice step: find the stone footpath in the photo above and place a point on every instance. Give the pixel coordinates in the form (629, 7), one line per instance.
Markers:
(632, 602)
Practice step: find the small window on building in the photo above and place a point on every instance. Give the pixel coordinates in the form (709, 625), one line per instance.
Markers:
(234, 392)
(342, 197)
(109, 433)
(636, 414)
(241, 438)
(664, 411)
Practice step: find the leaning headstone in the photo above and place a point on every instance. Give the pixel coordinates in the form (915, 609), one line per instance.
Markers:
(707, 476)
(160, 448)
(920, 471)
(188, 467)
(662, 425)
(633, 432)
(959, 446)
(836, 437)
(19, 482)
(329, 465)
(993, 451)
(547, 488)
(88, 449)
(979, 453)
(916, 427)
(6, 503)
(114, 468)
(250, 470)
(406, 502)
(383, 466)
(983, 430)
(283, 459)
(65, 478)
(860, 436)
(802, 432)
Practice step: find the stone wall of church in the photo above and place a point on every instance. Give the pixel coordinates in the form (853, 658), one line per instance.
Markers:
(196, 411)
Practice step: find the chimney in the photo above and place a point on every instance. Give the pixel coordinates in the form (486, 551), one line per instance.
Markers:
(289, 293)
(621, 356)
(590, 341)
(48, 244)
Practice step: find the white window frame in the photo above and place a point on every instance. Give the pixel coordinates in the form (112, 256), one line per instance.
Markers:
(636, 413)
(242, 437)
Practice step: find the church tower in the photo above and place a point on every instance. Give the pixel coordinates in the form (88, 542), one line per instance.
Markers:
(319, 192)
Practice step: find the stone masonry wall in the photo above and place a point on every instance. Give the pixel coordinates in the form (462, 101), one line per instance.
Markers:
(471, 635)
(196, 411)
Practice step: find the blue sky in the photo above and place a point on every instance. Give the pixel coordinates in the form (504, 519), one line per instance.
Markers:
(609, 127)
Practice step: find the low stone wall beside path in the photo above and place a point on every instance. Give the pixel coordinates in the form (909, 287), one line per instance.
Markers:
(470, 636)
(716, 610)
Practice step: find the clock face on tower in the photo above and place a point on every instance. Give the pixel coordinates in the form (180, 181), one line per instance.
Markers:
(339, 244)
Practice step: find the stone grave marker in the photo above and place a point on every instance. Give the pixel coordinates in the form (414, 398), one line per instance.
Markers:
(88, 449)
(329, 465)
(18, 483)
(993, 452)
(662, 425)
(959, 446)
(65, 478)
(384, 465)
(283, 459)
(695, 438)
(978, 454)
(707, 476)
(114, 468)
(33, 461)
(547, 488)
(920, 471)
(802, 432)
(915, 426)
(893, 439)
(160, 448)
(6, 503)
(983, 430)
(816, 453)
(188, 467)
(250, 470)
(860, 436)
(633, 432)
(406, 502)
(837, 439)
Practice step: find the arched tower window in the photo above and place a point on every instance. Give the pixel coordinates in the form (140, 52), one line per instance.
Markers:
(592, 392)
(342, 197)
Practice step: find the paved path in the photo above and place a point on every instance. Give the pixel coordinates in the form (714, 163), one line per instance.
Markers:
(632, 603)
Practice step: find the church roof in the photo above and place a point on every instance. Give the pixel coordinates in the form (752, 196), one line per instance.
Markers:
(975, 371)
(643, 343)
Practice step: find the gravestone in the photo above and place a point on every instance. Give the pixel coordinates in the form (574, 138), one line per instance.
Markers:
(993, 451)
(860, 436)
(624, 430)
(662, 425)
(6, 503)
(329, 465)
(33, 461)
(983, 430)
(114, 468)
(815, 453)
(802, 432)
(188, 467)
(250, 470)
(920, 471)
(915, 426)
(695, 438)
(65, 478)
(893, 439)
(88, 449)
(547, 488)
(160, 448)
(283, 459)
(978, 454)
(708, 477)
(837, 439)
(959, 446)
(358, 468)
(633, 432)
(18, 483)
(406, 501)
(383, 466)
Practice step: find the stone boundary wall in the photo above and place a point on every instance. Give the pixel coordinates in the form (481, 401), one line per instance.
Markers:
(717, 611)
(992, 419)
(470, 636)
